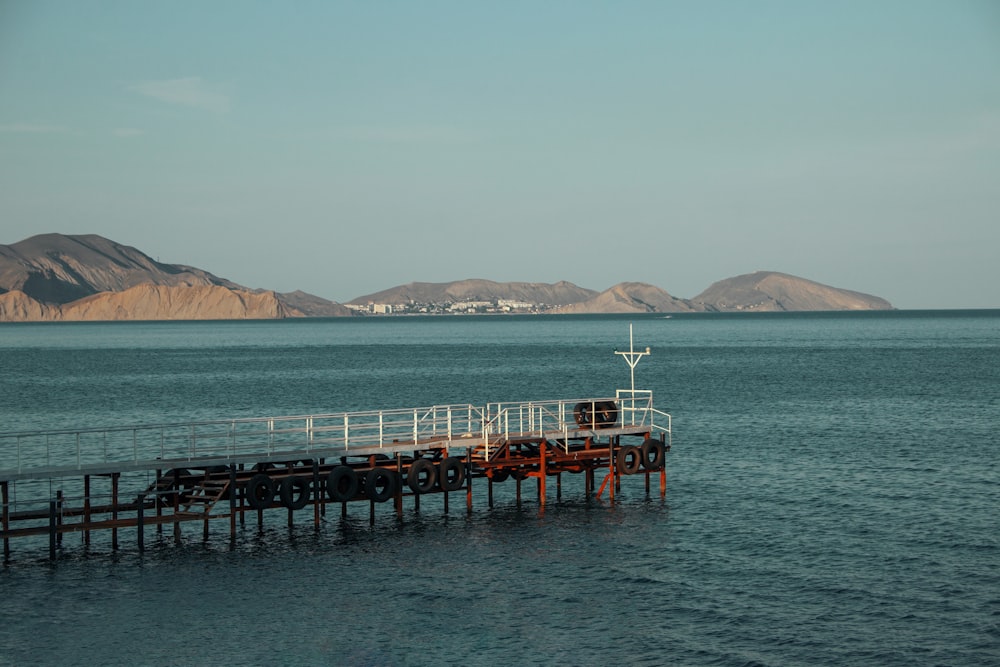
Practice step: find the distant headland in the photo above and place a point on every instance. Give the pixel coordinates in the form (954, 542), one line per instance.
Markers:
(57, 277)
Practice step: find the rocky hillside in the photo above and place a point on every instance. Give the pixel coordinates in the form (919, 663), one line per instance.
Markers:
(60, 277)
(57, 269)
(630, 298)
(478, 290)
(151, 302)
(772, 291)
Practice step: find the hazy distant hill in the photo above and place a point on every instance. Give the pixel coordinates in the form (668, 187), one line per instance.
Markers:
(479, 290)
(55, 268)
(630, 298)
(772, 291)
(761, 291)
(62, 277)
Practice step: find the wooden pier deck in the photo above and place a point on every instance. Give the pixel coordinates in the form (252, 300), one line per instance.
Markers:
(170, 474)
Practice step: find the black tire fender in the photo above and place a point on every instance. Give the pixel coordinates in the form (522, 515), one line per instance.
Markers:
(607, 414)
(341, 484)
(295, 492)
(422, 476)
(260, 491)
(499, 475)
(653, 453)
(451, 474)
(628, 459)
(380, 484)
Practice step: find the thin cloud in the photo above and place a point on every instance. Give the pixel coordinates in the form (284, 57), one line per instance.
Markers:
(127, 132)
(188, 92)
(33, 128)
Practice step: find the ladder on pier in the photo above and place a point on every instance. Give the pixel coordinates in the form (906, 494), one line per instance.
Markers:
(202, 498)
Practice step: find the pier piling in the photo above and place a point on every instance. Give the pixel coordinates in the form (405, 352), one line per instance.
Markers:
(345, 458)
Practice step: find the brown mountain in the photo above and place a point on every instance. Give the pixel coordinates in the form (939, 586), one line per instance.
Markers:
(60, 277)
(479, 290)
(56, 268)
(772, 291)
(88, 277)
(630, 298)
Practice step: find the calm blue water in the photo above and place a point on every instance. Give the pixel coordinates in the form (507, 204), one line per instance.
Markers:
(834, 498)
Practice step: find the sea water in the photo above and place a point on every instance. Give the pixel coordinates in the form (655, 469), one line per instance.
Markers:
(833, 498)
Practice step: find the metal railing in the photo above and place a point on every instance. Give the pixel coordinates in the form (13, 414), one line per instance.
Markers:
(71, 450)
(556, 419)
(76, 449)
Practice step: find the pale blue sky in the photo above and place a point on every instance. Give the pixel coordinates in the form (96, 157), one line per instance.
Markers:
(343, 148)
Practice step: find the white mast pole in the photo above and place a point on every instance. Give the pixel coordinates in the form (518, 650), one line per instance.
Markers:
(632, 357)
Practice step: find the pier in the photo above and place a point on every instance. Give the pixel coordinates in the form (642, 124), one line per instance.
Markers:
(130, 479)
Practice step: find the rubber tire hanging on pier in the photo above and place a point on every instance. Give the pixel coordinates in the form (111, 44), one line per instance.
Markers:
(607, 414)
(653, 453)
(600, 414)
(628, 459)
(380, 484)
(342, 484)
(294, 492)
(451, 474)
(422, 476)
(260, 491)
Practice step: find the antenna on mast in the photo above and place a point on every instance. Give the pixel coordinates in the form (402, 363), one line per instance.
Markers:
(632, 357)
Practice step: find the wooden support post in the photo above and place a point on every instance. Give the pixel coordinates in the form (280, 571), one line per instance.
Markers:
(86, 510)
(663, 469)
(398, 496)
(140, 522)
(589, 475)
(204, 529)
(114, 509)
(541, 476)
(243, 504)
(52, 530)
(446, 494)
(322, 505)
(6, 520)
(59, 516)
(156, 500)
(232, 504)
(177, 505)
(518, 479)
(317, 495)
(558, 486)
(468, 482)
(613, 469)
(489, 487)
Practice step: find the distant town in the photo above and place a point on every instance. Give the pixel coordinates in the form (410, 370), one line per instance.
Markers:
(451, 307)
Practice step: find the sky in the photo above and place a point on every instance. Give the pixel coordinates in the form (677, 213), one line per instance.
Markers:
(342, 148)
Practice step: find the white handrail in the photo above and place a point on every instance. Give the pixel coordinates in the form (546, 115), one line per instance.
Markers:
(67, 449)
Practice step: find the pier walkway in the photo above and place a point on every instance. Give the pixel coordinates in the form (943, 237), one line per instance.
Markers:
(81, 480)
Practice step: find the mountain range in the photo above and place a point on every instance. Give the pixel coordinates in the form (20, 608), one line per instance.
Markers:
(88, 277)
